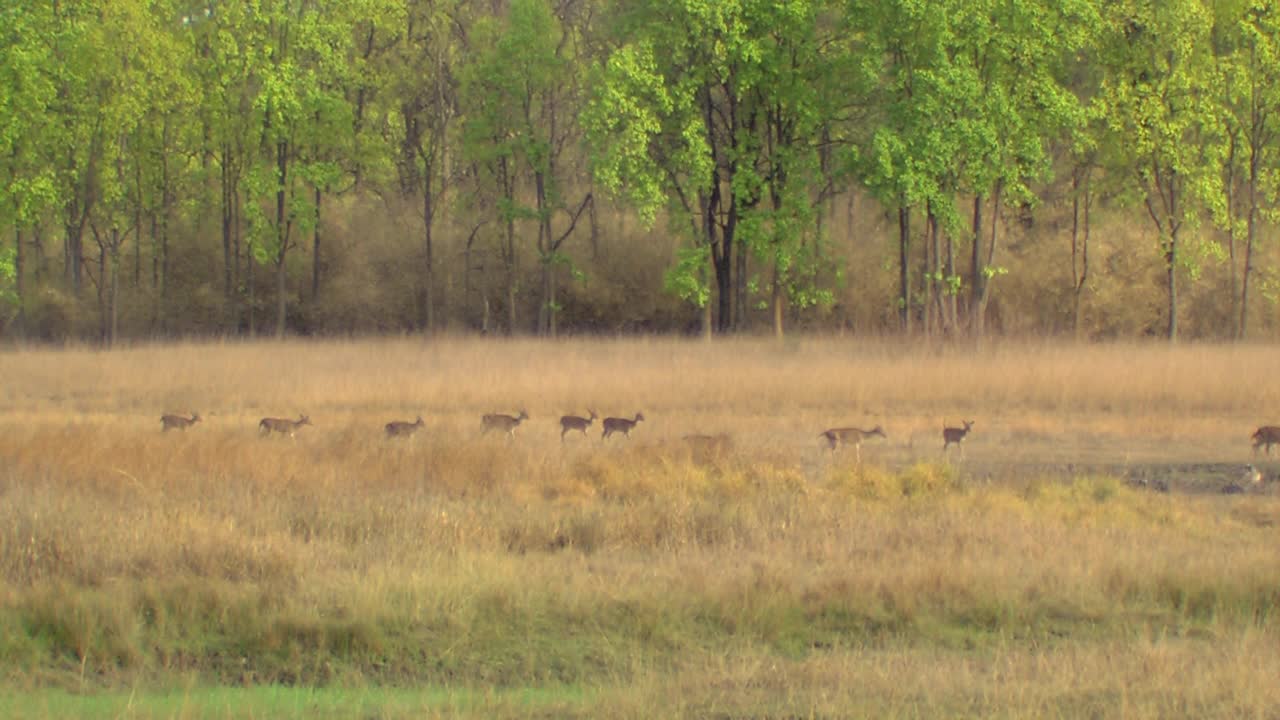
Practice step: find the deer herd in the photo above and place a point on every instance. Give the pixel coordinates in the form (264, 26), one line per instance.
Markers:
(507, 424)
(1263, 438)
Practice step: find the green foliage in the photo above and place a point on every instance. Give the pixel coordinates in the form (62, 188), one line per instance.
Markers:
(687, 279)
(735, 122)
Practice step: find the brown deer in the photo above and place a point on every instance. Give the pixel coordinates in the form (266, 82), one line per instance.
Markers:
(623, 425)
(709, 445)
(719, 440)
(954, 435)
(574, 423)
(504, 423)
(282, 425)
(178, 422)
(1266, 436)
(400, 428)
(851, 436)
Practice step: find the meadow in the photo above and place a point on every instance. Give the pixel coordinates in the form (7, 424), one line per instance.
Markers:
(218, 573)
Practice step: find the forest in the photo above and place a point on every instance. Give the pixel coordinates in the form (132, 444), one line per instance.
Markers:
(941, 168)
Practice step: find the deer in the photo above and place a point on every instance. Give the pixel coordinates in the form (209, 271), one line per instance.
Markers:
(620, 425)
(178, 422)
(400, 428)
(954, 435)
(718, 443)
(836, 437)
(505, 423)
(1266, 436)
(284, 426)
(574, 423)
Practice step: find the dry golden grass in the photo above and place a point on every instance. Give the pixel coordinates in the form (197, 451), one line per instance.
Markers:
(773, 575)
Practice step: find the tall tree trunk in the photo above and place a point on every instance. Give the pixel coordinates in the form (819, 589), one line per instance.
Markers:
(776, 300)
(281, 303)
(1171, 260)
(1079, 247)
(19, 266)
(510, 262)
(933, 303)
(73, 250)
(1232, 265)
(977, 278)
(137, 225)
(1250, 235)
(42, 258)
(950, 291)
(166, 206)
(429, 279)
(282, 234)
(987, 263)
(315, 249)
(904, 266)
(250, 262)
(545, 252)
(229, 263)
(721, 249)
(595, 225)
(114, 326)
(741, 320)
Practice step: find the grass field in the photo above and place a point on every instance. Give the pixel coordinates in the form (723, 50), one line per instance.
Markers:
(217, 573)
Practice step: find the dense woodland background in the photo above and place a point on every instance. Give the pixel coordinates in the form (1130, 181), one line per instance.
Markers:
(945, 167)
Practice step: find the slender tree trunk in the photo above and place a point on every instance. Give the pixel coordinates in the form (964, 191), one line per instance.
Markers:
(933, 304)
(1079, 247)
(1251, 231)
(1232, 265)
(511, 275)
(155, 250)
(1171, 258)
(137, 225)
(429, 279)
(545, 308)
(41, 258)
(741, 320)
(281, 303)
(114, 326)
(19, 267)
(162, 293)
(229, 263)
(977, 278)
(595, 226)
(721, 250)
(950, 291)
(250, 262)
(282, 234)
(724, 291)
(776, 301)
(904, 267)
(315, 248)
(74, 245)
(980, 312)
(708, 327)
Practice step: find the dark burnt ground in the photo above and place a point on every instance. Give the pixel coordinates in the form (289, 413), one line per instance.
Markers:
(1180, 477)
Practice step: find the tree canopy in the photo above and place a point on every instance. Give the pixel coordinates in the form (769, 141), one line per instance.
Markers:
(547, 165)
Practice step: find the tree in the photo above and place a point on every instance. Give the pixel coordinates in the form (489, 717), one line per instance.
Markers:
(1158, 96)
(520, 97)
(27, 92)
(421, 96)
(701, 108)
(1247, 44)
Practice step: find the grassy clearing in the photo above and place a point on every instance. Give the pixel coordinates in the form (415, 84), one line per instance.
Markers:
(535, 578)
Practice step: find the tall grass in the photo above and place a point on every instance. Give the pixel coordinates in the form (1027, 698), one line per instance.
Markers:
(130, 555)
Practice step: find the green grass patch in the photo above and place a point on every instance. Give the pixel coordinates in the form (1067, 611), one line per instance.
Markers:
(285, 702)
